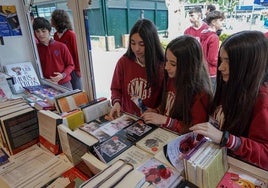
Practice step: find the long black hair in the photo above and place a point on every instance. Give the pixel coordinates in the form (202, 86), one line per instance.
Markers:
(191, 77)
(248, 60)
(154, 53)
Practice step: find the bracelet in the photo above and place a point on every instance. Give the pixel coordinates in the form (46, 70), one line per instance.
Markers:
(224, 138)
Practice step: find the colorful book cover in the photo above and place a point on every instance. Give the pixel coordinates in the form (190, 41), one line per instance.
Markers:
(43, 91)
(159, 174)
(24, 75)
(138, 130)
(239, 179)
(112, 147)
(103, 131)
(182, 147)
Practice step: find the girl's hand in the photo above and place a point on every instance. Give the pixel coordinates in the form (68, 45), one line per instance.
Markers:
(208, 130)
(154, 118)
(115, 111)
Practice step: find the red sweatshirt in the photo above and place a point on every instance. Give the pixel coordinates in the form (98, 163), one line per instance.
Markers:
(55, 58)
(254, 147)
(69, 39)
(210, 44)
(130, 78)
(199, 109)
(196, 32)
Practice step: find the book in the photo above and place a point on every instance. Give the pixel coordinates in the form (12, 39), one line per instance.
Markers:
(5, 91)
(134, 156)
(244, 170)
(43, 105)
(234, 178)
(32, 167)
(110, 176)
(48, 134)
(20, 129)
(75, 143)
(97, 110)
(111, 148)
(32, 98)
(24, 75)
(182, 147)
(11, 102)
(94, 164)
(207, 166)
(73, 119)
(105, 130)
(13, 108)
(71, 101)
(213, 169)
(154, 141)
(43, 91)
(138, 130)
(75, 175)
(4, 157)
(159, 174)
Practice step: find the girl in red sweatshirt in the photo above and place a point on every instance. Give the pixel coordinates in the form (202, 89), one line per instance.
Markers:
(187, 91)
(240, 105)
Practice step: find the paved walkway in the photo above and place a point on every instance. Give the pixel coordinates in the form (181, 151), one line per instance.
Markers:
(103, 65)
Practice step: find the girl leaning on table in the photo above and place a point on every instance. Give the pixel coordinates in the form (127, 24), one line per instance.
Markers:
(187, 90)
(240, 105)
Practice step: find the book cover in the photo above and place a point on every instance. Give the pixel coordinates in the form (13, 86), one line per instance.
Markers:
(236, 179)
(5, 91)
(159, 174)
(111, 148)
(105, 130)
(43, 105)
(74, 120)
(48, 134)
(138, 130)
(43, 91)
(32, 98)
(24, 75)
(134, 156)
(97, 110)
(154, 141)
(20, 129)
(71, 102)
(182, 147)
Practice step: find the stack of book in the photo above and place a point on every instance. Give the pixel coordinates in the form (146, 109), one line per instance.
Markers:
(19, 125)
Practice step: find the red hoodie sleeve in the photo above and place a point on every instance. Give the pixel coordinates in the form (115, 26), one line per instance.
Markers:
(199, 114)
(254, 148)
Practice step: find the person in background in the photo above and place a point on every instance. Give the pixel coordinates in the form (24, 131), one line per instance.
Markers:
(64, 33)
(56, 60)
(187, 90)
(211, 8)
(266, 34)
(210, 43)
(198, 25)
(139, 72)
(240, 104)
